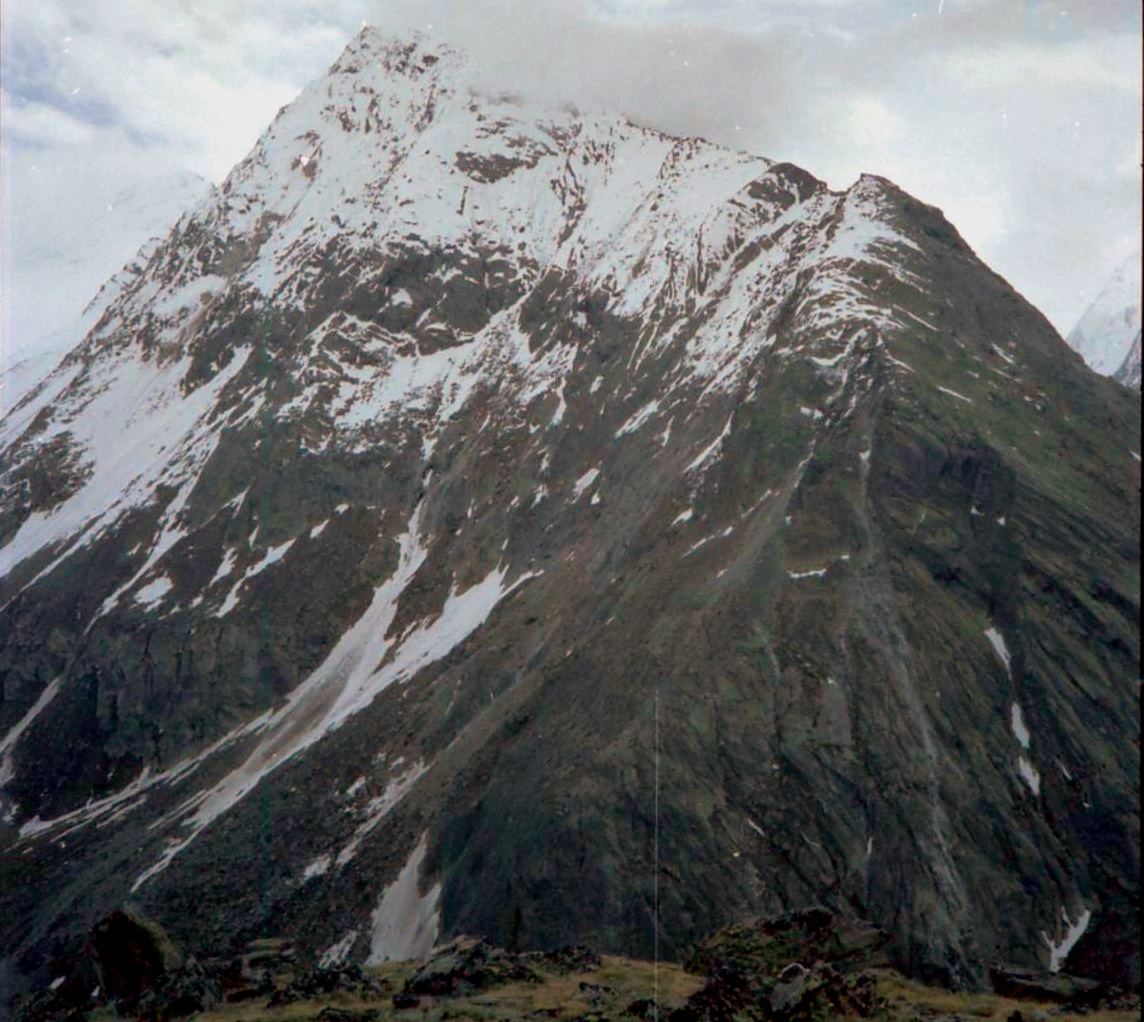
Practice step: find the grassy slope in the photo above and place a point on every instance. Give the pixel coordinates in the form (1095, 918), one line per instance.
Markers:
(620, 981)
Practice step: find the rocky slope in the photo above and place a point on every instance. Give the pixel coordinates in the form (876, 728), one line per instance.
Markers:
(1108, 335)
(480, 518)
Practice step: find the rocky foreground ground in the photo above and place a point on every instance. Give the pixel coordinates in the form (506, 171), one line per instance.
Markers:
(806, 965)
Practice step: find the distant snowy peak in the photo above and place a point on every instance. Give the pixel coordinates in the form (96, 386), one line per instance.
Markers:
(1129, 371)
(1109, 331)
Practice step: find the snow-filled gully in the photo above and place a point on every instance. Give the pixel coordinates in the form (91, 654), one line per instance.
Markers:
(362, 664)
(357, 670)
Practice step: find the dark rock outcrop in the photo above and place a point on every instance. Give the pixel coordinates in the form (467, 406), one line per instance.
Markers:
(465, 964)
(134, 955)
(1056, 987)
(575, 958)
(349, 979)
(769, 946)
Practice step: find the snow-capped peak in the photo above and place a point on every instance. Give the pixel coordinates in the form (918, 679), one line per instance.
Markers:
(1105, 333)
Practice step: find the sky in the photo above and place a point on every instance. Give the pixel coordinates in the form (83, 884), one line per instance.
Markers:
(1020, 119)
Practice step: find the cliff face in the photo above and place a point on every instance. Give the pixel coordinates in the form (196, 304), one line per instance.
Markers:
(469, 493)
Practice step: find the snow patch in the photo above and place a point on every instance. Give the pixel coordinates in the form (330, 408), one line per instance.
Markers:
(153, 592)
(1029, 775)
(7, 771)
(586, 480)
(954, 393)
(405, 922)
(378, 808)
(561, 407)
(997, 641)
(1073, 932)
(136, 431)
(319, 867)
(337, 952)
(711, 449)
(1017, 723)
(637, 420)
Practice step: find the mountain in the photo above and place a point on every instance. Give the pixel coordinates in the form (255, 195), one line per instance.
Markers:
(1129, 371)
(54, 266)
(1108, 334)
(486, 518)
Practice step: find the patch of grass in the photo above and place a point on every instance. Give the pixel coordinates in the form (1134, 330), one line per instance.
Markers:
(610, 989)
(907, 999)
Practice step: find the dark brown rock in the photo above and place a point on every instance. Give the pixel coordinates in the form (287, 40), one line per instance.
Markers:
(1073, 991)
(134, 954)
(465, 964)
(332, 1014)
(351, 979)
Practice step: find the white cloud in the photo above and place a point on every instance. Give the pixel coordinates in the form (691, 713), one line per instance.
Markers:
(39, 125)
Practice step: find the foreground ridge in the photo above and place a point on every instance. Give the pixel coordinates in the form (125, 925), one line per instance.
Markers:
(805, 964)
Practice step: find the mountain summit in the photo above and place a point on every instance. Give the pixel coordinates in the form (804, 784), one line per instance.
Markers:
(485, 518)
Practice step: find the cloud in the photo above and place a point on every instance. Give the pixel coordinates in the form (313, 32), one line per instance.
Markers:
(40, 125)
(1018, 117)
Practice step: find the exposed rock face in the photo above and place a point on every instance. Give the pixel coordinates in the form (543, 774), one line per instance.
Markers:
(487, 519)
(465, 964)
(803, 937)
(791, 967)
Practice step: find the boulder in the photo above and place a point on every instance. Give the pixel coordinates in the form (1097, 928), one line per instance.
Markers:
(48, 1006)
(822, 991)
(251, 974)
(351, 979)
(765, 947)
(179, 993)
(1034, 985)
(762, 949)
(133, 953)
(468, 963)
(575, 958)
(799, 965)
(332, 1014)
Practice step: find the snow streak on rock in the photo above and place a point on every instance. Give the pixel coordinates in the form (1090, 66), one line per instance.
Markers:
(405, 922)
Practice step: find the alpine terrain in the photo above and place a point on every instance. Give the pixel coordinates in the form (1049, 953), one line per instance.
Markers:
(1107, 336)
(481, 518)
(52, 268)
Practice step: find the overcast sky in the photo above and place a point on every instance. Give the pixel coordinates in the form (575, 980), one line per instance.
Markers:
(1019, 118)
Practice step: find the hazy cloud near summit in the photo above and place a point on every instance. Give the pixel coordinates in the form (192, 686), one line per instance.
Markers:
(1019, 118)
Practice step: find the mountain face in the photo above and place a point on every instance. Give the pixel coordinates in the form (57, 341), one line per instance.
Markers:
(480, 518)
(54, 266)
(1108, 335)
